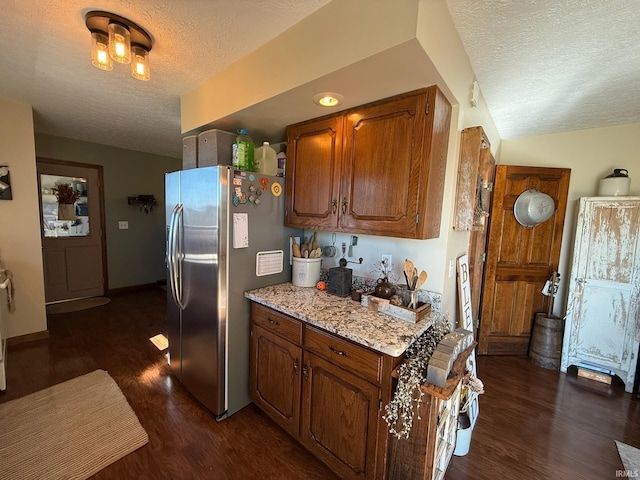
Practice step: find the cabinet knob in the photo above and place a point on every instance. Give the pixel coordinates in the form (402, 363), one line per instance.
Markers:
(344, 205)
(334, 206)
(295, 366)
(305, 370)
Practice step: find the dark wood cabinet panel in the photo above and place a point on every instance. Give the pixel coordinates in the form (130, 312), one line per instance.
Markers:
(339, 418)
(376, 169)
(324, 390)
(275, 377)
(381, 165)
(313, 173)
(280, 324)
(345, 354)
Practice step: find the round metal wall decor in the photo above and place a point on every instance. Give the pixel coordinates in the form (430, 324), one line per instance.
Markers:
(532, 207)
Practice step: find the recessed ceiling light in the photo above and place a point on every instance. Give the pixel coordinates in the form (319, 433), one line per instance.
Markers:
(328, 99)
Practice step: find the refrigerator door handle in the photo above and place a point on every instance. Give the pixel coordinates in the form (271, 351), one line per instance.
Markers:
(171, 253)
(174, 261)
(179, 256)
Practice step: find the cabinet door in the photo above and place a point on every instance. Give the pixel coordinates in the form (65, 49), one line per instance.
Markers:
(604, 311)
(382, 154)
(275, 377)
(339, 418)
(313, 173)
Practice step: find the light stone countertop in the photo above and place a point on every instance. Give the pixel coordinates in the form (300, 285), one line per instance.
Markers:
(343, 317)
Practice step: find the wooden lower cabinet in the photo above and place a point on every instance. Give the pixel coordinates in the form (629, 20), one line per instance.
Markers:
(327, 392)
(339, 417)
(275, 377)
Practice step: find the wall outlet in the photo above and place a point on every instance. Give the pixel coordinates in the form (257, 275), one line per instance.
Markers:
(386, 259)
(123, 225)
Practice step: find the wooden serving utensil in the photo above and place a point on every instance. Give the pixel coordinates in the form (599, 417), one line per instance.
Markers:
(421, 279)
(408, 272)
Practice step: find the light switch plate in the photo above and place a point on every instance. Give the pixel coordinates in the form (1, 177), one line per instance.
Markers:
(123, 225)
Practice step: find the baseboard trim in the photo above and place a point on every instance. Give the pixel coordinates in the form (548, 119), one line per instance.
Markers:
(132, 288)
(29, 337)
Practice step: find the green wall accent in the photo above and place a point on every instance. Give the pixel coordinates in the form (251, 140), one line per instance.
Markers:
(134, 256)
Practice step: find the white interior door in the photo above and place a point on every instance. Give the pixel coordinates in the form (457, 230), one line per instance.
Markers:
(72, 230)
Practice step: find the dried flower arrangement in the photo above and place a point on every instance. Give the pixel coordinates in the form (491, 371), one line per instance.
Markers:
(411, 375)
(65, 193)
(470, 384)
(384, 270)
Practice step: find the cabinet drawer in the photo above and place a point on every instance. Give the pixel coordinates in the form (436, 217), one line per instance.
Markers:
(341, 352)
(276, 322)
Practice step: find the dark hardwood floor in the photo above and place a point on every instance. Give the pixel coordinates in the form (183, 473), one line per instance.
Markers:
(533, 424)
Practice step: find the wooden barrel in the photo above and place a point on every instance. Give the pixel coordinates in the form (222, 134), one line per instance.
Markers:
(545, 348)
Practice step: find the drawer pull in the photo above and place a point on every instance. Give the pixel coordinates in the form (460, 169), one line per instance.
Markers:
(295, 366)
(336, 351)
(305, 370)
(272, 322)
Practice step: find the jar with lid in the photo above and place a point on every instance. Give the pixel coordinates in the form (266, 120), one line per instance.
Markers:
(615, 184)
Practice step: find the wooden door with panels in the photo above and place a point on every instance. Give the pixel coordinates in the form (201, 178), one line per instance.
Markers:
(73, 247)
(519, 259)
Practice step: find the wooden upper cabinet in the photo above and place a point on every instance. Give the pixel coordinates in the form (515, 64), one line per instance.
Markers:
(375, 169)
(475, 180)
(313, 173)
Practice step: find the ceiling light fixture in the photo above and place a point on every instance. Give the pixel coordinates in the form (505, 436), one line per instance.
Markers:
(115, 38)
(328, 99)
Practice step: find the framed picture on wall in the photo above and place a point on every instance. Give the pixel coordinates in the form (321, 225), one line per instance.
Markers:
(5, 183)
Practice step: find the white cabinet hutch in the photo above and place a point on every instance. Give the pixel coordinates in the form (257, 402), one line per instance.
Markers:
(603, 317)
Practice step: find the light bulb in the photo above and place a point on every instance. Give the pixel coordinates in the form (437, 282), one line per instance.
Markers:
(100, 51)
(140, 63)
(328, 99)
(119, 43)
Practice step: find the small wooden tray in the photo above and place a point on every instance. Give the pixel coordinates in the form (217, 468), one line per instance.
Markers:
(383, 306)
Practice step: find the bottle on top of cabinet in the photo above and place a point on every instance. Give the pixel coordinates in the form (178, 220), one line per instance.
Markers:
(243, 151)
(265, 160)
(282, 161)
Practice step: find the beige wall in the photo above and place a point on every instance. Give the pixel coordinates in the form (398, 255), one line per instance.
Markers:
(134, 256)
(591, 155)
(20, 247)
(359, 32)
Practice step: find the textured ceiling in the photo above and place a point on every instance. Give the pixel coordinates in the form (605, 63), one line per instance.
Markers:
(542, 66)
(550, 66)
(44, 62)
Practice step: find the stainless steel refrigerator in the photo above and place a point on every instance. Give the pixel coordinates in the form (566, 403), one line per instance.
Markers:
(225, 235)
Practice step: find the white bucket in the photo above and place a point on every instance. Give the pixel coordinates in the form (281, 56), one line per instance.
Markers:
(305, 272)
(463, 442)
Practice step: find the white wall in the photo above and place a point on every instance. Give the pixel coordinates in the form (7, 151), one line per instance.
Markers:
(591, 155)
(20, 247)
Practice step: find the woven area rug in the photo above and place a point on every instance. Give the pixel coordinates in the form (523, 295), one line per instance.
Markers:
(71, 430)
(630, 456)
(76, 305)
